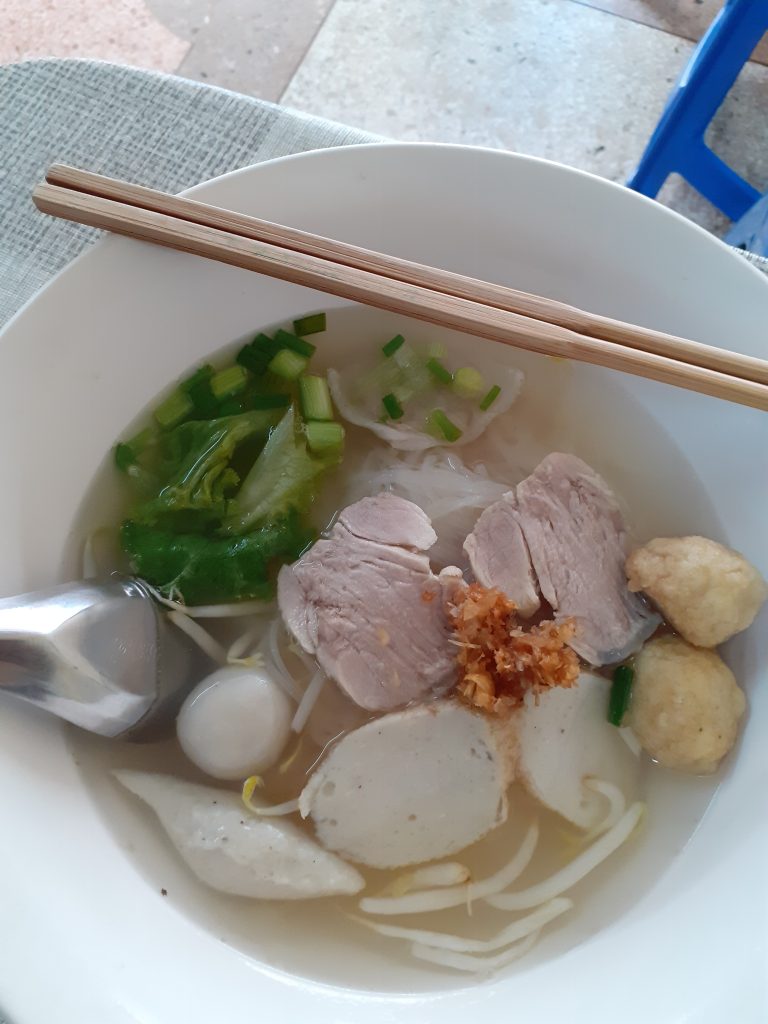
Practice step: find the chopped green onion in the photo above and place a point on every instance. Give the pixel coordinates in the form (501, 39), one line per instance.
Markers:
(315, 398)
(439, 372)
(440, 426)
(288, 364)
(621, 691)
(270, 401)
(125, 456)
(313, 324)
(198, 387)
(201, 373)
(174, 410)
(468, 382)
(255, 356)
(229, 382)
(436, 350)
(230, 407)
(324, 438)
(287, 340)
(490, 398)
(392, 346)
(392, 407)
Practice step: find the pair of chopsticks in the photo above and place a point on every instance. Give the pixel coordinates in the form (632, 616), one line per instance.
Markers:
(479, 308)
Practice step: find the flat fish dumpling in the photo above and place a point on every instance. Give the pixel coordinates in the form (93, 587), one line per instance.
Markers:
(566, 738)
(411, 786)
(237, 852)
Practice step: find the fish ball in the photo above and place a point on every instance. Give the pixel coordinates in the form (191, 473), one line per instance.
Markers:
(686, 705)
(235, 723)
(706, 591)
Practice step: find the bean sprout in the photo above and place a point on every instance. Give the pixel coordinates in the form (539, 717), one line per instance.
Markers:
(631, 740)
(442, 899)
(472, 962)
(286, 764)
(308, 700)
(442, 940)
(441, 875)
(578, 868)
(90, 566)
(237, 609)
(287, 680)
(275, 810)
(254, 782)
(200, 636)
(239, 646)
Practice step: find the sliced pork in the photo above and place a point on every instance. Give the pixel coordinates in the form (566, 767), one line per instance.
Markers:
(499, 555)
(562, 526)
(365, 602)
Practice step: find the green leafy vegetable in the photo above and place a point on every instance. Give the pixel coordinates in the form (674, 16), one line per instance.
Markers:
(125, 456)
(193, 469)
(270, 401)
(282, 479)
(231, 407)
(621, 691)
(206, 570)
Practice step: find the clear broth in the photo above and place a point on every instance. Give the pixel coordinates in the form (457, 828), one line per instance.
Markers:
(563, 406)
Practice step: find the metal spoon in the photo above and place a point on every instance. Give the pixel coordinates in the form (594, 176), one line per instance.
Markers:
(99, 654)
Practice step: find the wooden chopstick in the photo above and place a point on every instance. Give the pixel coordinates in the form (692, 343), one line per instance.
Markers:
(499, 296)
(228, 237)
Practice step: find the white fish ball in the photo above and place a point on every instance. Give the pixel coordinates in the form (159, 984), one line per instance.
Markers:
(235, 723)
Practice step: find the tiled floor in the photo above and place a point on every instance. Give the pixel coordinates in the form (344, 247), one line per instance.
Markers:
(580, 81)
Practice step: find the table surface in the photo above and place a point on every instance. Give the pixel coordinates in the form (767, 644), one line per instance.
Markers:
(151, 128)
(154, 129)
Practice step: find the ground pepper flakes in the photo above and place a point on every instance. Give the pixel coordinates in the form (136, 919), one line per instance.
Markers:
(500, 661)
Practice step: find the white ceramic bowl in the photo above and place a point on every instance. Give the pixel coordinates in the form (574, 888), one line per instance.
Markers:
(86, 937)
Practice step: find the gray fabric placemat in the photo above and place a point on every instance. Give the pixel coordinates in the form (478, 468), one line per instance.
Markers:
(151, 128)
(155, 129)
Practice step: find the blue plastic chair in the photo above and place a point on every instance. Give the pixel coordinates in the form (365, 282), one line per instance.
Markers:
(677, 144)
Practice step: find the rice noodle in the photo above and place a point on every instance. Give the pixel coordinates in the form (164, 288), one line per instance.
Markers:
(442, 899)
(308, 700)
(578, 868)
(200, 636)
(471, 962)
(457, 944)
(616, 801)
